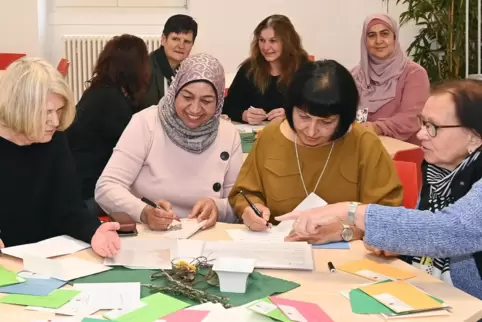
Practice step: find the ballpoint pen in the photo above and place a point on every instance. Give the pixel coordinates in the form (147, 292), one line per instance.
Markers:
(154, 205)
(256, 210)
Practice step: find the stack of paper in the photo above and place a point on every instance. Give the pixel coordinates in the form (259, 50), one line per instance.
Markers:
(286, 310)
(276, 255)
(56, 246)
(64, 269)
(54, 300)
(394, 299)
(143, 253)
(34, 284)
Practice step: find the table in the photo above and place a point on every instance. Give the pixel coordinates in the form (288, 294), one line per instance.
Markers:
(319, 286)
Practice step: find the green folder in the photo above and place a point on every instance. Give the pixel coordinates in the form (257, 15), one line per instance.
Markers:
(54, 300)
(8, 277)
(158, 306)
(259, 285)
(267, 308)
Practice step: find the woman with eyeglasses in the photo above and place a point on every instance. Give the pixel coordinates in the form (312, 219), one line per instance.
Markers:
(444, 236)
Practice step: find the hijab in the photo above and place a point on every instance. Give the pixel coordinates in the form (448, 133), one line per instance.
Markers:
(377, 79)
(196, 68)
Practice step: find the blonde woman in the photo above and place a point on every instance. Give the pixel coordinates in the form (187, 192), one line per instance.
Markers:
(39, 195)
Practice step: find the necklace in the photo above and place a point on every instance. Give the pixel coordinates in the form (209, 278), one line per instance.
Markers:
(299, 166)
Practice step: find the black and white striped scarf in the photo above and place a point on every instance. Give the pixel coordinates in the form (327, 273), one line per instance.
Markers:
(440, 182)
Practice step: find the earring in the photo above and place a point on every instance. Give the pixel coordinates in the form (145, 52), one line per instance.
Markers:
(471, 150)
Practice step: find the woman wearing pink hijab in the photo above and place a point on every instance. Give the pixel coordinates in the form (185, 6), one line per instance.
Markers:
(393, 89)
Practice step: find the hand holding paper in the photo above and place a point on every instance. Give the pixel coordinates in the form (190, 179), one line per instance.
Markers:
(106, 241)
(205, 209)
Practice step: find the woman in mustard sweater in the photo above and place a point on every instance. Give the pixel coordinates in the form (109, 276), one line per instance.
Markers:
(319, 149)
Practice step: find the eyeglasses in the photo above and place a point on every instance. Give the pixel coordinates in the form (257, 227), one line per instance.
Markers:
(431, 128)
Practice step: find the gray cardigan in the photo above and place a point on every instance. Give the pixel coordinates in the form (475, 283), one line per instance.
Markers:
(455, 232)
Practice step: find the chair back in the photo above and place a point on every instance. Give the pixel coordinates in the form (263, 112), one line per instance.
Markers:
(63, 67)
(407, 172)
(7, 58)
(412, 155)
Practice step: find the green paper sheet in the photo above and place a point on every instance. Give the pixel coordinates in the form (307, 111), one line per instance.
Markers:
(259, 285)
(52, 301)
(8, 277)
(269, 309)
(362, 303)
(158, 306)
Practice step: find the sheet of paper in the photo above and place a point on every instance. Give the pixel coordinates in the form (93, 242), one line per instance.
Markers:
(300, 311)
(80, 305)
(54, 300)
(246, 128)
(158, 305)
(334, 245)
(146, 253)
(110, 296)
(275, 255)
(401, 297)
(8, 277)
(188, 248)
(185, 315)
(56, 246)
(34, 285)
(236, 314)
(310, 202)
(64, 269)
(189, 228)
(259, 236)
(375, 271)
(269, 309)
(114, 314)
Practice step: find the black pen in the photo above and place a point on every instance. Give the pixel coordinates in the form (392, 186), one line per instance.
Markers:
(256, 210)
(331, 267)
(154, 205)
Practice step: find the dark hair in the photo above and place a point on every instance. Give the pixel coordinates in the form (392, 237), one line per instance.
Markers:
(324, 88)
(292, 57)
(467, 97)
(124, 63)
(180, 24)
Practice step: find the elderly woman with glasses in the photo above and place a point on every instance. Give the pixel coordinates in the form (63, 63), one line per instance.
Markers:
(444, 236)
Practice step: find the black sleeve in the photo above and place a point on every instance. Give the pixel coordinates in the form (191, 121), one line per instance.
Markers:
(115, 114)
(238, 100)
(69, 213)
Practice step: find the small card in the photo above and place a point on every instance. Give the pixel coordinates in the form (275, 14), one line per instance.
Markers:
(267, 308)
(300, 311)
(375, 271)
(35, 285)
(401, 297)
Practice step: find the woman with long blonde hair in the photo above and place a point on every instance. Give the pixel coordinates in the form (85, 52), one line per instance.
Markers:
(257, 91)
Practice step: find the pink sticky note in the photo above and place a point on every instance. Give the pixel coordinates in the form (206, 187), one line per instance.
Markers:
(300, 311)
(185, 315)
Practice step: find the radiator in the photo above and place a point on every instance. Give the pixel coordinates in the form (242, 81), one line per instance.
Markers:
(82, 52)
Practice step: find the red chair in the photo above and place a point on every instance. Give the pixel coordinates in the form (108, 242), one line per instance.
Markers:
(63, 67)
(407, 172)
(8, 58)
(412, 155)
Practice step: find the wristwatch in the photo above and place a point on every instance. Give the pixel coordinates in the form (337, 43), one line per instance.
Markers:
(351, 212)
(346, 233)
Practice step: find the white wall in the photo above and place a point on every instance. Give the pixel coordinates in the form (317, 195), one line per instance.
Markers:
(330, 29)
(19, 32)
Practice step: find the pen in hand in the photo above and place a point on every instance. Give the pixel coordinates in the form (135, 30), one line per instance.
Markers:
(154, 205)
(256, 210)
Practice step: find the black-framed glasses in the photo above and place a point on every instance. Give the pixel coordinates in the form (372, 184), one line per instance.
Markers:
(431, 128)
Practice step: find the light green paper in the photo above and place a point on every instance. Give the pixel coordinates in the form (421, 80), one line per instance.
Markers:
(52, 301)
(276, 314)
(158, 306)
(8, 277)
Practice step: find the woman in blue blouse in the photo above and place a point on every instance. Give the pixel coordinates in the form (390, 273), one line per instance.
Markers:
(444, 236)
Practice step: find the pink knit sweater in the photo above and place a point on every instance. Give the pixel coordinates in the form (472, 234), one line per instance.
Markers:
(398, 118)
